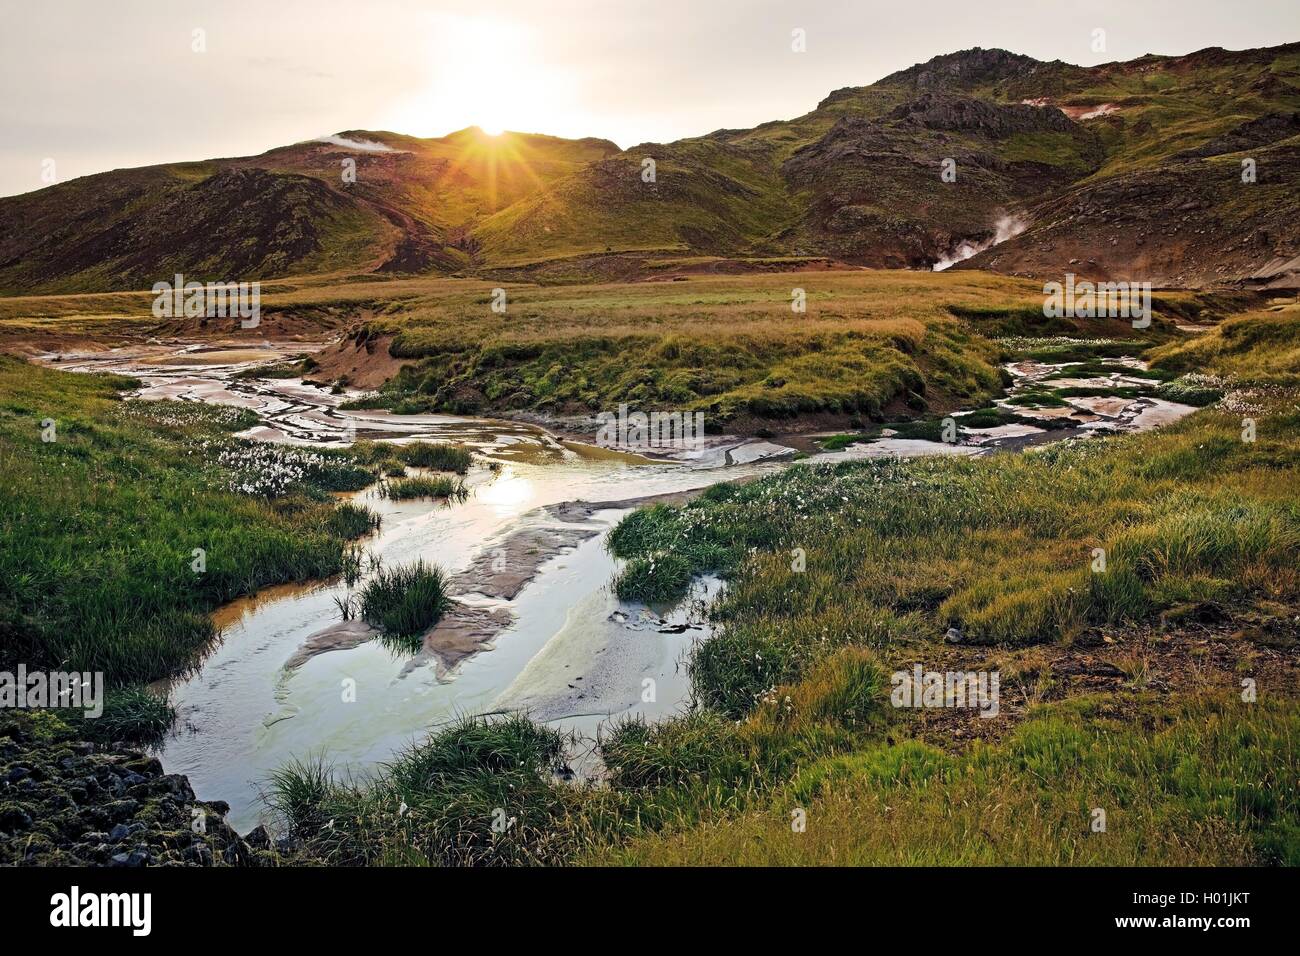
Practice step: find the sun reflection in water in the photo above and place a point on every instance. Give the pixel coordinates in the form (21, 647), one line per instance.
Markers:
(508, 492)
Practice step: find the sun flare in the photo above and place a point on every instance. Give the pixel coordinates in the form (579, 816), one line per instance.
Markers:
(482, 72)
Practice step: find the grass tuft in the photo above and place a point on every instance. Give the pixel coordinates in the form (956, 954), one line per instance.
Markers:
(404, 602)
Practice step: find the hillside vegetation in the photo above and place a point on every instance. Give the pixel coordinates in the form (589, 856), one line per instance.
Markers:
(1124, 170)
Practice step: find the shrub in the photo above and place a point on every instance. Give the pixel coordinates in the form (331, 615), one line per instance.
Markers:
(477, 793)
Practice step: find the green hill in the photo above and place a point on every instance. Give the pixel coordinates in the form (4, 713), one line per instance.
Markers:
(1124, 170)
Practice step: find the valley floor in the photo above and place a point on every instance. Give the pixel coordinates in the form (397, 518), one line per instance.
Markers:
(1137, 596)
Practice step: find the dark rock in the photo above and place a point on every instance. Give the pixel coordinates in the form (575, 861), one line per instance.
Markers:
(258, 838)
(137, 857)
(121, 809)
(237, 853)
(14, 818)
(179, 787)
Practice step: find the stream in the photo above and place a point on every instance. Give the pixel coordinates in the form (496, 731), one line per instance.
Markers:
(536, 626)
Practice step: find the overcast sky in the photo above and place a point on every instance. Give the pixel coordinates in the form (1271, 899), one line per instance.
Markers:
(100, 84)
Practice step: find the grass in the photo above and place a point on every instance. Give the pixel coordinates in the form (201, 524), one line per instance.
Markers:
(474, 793)
(99, 528)
(298, 368)
(133, 714)
(840, 442)
(790, 694)
(438, 456)
(663, 577)
(998, 547)
(789, 705)
(392, 460)
(1103, 368)
(869, 344)
(1197, 390)
(426, 486)
(1064, 348)
(1258, 345)
(933, 429)
(1211, 784)
(404, 602)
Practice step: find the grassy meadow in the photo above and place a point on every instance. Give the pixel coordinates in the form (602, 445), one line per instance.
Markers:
(99, 567)
(1124, 681)
(869, 344)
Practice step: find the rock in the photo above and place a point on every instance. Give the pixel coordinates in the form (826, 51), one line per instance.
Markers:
(200, 853)
(14, 818)
(121, 809)
(953, 636)
(179, 787)
(258, 838)
(137, 857)
(97, 805)
(237, 853)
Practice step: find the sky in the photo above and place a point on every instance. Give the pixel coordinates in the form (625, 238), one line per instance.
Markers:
(91, 85)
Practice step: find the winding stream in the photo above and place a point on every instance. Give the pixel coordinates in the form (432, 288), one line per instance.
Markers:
(537, 627)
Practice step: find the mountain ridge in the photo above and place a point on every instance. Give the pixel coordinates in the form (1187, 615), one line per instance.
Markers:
(1122, 170)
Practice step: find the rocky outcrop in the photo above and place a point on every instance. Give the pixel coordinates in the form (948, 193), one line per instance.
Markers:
(996, 120)
(877, 193)
(71, 802)
(967, 68)
(1252, 134)
(1188, 223)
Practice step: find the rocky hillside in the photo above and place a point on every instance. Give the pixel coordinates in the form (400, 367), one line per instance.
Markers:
(1177, 170)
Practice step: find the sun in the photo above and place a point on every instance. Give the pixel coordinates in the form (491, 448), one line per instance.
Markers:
(484, 72)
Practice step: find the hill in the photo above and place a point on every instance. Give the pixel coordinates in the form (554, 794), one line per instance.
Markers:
(1176, 170)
